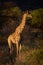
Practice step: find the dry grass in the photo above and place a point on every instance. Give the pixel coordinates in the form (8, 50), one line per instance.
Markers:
(31, 57)
(26, 57)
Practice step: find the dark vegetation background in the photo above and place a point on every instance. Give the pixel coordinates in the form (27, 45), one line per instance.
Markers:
(32, 36)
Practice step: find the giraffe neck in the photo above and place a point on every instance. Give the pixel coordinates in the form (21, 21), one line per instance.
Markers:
(20, 28)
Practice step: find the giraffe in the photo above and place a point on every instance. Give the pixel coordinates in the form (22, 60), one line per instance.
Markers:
(15, 36)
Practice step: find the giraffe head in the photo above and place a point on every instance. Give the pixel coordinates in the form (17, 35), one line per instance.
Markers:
(26, 13)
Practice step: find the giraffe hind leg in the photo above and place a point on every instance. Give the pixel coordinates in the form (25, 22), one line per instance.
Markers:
(14, 49)
(15, 43)
(10, 45)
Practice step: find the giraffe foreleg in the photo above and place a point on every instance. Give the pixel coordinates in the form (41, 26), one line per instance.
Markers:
(17, 48)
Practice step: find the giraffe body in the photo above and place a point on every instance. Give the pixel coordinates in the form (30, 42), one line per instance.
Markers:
(15, 37)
